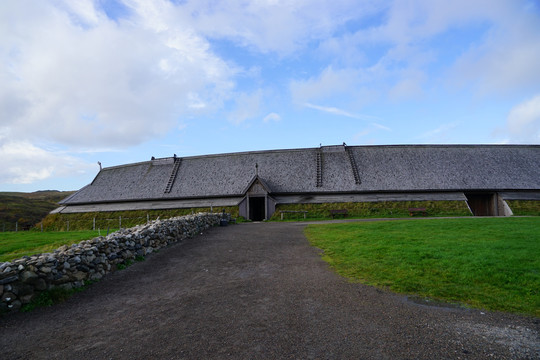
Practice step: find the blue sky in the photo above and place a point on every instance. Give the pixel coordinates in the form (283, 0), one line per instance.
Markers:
(121, 81)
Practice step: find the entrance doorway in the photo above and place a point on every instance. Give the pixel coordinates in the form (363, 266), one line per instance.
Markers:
(256, 208)
(481, 204)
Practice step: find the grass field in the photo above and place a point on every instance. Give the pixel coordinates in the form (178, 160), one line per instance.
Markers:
(487, 263)
(14, 245)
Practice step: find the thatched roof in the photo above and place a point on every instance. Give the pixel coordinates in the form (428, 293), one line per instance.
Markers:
(407, 168)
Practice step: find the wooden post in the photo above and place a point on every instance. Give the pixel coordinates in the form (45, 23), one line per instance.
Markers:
(147, 218)
(94, 224)
(119, 222)
(16, 226)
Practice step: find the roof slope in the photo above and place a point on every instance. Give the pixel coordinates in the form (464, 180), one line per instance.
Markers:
(380, 168)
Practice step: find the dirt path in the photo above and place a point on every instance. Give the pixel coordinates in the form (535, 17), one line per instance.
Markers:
(255, 291)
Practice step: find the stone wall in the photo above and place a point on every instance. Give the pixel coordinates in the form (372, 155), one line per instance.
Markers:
(69, 267)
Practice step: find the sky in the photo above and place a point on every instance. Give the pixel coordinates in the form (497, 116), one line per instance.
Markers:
(120, 81)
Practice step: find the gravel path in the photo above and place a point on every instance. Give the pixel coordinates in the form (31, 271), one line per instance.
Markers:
(255, 291)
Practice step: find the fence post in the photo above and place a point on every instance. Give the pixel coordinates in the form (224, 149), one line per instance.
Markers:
(67, 225)
(119, 222)
(16, 226)
(94, 224)
(147, 218)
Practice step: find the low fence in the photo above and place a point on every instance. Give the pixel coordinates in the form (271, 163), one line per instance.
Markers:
(87, 224)
(98, 223)
(69, 267)
(9, 227)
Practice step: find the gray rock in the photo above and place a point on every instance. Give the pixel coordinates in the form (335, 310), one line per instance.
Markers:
(66, 286)
(79, 275)
(8, 297)
(15, 305)
(40, 285)
(24, 289)
(63, 248)
(28, 277)
(27, 298)
(9, 279)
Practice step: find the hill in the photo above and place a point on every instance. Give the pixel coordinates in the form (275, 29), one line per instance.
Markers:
(27, 208)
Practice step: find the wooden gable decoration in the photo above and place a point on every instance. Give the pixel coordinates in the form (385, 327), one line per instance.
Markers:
(257, 186)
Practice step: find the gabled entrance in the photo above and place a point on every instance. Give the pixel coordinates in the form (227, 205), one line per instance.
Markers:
(257, 205)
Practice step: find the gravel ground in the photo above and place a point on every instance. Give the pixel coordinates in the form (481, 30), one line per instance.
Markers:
(255, 291)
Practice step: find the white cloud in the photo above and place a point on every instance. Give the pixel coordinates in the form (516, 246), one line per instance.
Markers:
(107, 83)
(272, 117)
(329, 83)
(499, 46)
(409, 86)
(507, 61)
(523, 123)
(24, 163)
(277, 26)
(246, 106)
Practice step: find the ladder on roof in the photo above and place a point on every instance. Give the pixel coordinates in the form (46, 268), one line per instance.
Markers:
(174, 173)
(319, 168)
(353, 165)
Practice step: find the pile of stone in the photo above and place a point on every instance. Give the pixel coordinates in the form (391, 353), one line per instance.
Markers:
(69, 267)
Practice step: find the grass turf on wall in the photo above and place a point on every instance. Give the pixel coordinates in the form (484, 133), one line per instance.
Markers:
(111, 219)
(375, 209)
(487, 263)
(525, 207)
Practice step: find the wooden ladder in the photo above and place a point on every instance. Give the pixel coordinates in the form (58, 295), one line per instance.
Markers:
(353, 165)
(319, 168)
(174, 172)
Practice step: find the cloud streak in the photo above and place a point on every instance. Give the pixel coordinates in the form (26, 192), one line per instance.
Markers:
(340, 112)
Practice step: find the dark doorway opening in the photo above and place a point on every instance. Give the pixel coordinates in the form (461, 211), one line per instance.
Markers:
(481, 204)
(256, 208)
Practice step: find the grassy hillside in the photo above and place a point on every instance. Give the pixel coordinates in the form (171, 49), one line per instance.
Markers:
(27, 208)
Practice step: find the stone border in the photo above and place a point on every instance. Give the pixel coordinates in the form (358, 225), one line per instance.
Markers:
(69, 267)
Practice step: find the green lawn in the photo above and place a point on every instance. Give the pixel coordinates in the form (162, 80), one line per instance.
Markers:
(487, 263)
(14, 245)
